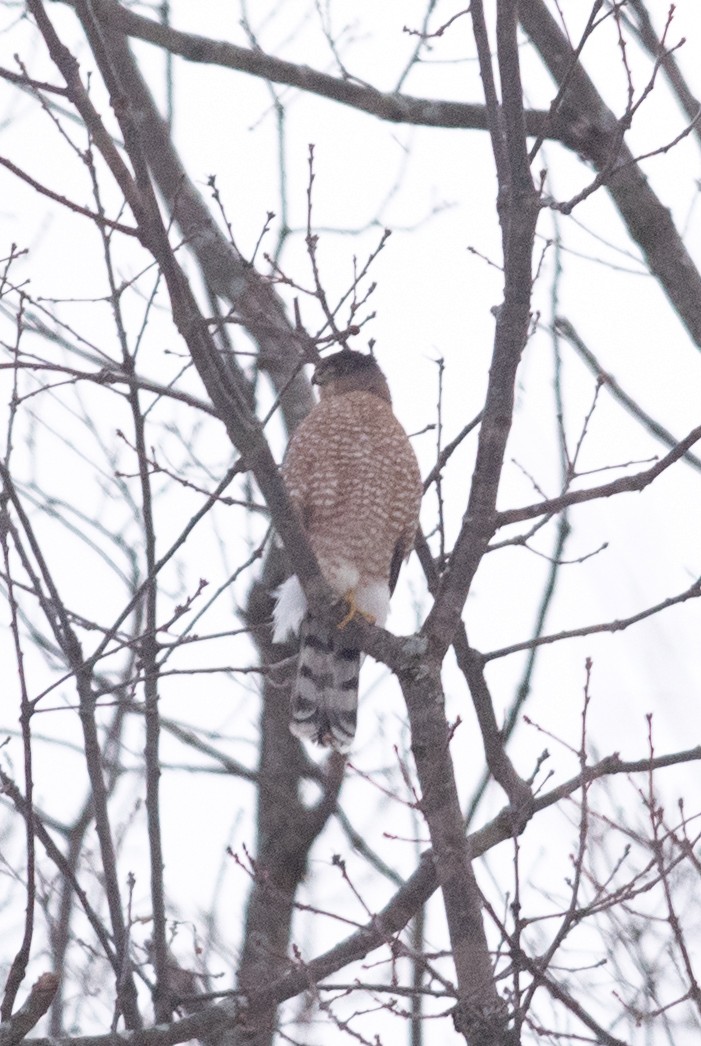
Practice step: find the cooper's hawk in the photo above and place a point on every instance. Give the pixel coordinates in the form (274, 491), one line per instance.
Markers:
(354, 479)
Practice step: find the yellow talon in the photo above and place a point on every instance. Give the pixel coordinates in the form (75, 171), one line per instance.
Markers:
(354, 611)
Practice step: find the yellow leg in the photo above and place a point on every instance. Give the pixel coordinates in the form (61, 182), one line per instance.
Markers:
(354, 611)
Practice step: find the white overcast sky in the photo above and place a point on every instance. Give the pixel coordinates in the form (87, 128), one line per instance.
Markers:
(434, 299)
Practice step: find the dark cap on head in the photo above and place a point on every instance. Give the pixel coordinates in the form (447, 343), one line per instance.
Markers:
(343, 364)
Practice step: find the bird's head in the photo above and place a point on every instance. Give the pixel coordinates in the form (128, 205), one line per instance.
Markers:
(349, 371)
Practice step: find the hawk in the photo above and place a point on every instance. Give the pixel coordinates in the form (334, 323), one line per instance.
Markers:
(353, 477)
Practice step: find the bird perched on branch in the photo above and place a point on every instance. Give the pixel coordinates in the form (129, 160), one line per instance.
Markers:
(352, 475)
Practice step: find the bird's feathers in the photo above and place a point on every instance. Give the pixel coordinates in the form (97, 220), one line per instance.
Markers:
(354, 480)
(289, 610)
(325, 696)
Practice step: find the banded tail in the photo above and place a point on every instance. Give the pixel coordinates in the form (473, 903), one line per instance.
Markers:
(325, 696)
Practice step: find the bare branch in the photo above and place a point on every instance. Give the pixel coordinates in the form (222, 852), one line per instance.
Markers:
(625, 484)
(648, 221)
(128, 230)
(16, 1027)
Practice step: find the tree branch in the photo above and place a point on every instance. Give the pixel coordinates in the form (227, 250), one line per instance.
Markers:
(594, 133)
(617, 486)
(15, 1028)
(378, 930)
(395, 108)
(564, 328)
(518, 215)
